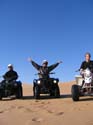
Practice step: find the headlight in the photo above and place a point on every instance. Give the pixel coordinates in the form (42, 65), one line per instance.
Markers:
(38, 81)
(55, 81)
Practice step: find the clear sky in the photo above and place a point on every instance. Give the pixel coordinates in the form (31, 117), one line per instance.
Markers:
(45, 29)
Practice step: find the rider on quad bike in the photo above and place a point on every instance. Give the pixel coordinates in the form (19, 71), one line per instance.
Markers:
(87, 64)
(44, 70)
(84, 81)
(9, 86)
(45, 84)
(10, 74)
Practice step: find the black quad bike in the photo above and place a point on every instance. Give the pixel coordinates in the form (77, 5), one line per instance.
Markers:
(9, 88)
(46, 86)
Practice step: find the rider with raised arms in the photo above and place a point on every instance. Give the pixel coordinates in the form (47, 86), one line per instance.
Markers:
(44, 69)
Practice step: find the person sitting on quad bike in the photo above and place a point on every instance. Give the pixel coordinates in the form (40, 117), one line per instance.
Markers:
(45, 84)
(44, 69)
(10, 75)
(87, 64)
(10, 86)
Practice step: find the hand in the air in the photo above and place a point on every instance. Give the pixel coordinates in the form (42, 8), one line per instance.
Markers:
(29, 59)
(60, 62)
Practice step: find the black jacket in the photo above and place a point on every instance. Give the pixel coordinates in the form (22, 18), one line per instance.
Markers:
(86, 65)
(11, 75)
(44, 72)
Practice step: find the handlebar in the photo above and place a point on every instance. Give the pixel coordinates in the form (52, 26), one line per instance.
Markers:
(81, 70)
(77, 70)
(48, 73)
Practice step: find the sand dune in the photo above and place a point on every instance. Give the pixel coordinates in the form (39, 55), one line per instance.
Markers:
(47, 111)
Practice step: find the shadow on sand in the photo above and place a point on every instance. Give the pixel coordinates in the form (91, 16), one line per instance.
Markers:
(45, 97)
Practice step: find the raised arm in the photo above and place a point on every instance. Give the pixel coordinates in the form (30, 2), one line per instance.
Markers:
(34, 64)
(52, 67)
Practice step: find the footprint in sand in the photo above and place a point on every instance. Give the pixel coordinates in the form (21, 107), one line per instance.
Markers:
(20, 107)
(54, 112)
(37, 119)
(60, 113)
(1, 112)
(13, 107)
(28, 110)
(24, 109)
(50, 111)
(5, 111)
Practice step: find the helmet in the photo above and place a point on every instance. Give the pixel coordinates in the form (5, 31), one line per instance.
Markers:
(10, 65)
(45, 62)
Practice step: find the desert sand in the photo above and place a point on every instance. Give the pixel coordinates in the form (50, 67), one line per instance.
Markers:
(47, 111)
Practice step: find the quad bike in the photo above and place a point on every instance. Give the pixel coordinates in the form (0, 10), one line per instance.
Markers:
(9, 88)
(46, 86)
(84, 86)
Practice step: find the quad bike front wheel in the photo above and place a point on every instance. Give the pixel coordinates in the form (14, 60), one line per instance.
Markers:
(75, 92)
(1, 93)
(57, 92)
(19, 92)
(36, 92)
(0, 96)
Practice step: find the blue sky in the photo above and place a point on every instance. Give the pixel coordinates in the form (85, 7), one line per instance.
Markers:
(45, 29)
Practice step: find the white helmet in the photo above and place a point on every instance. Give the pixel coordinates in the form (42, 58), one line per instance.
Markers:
(44, 62)
(10, 65)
